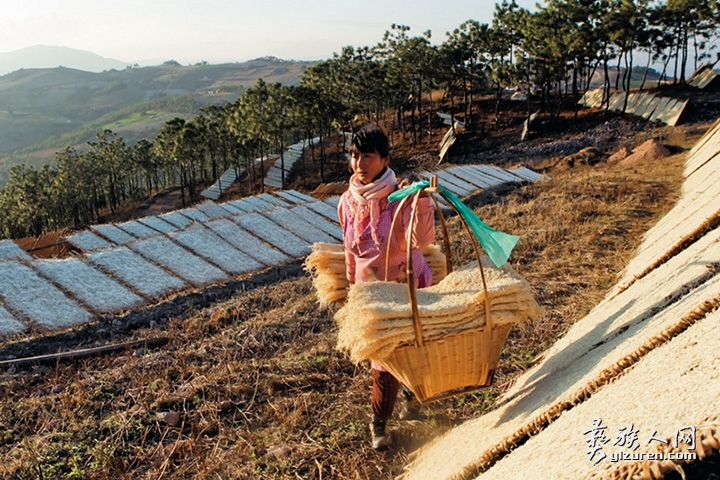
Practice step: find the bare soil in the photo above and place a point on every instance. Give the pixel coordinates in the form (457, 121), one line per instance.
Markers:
(250, 384)
(165, 201)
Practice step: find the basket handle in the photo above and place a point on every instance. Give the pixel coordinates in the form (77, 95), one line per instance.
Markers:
(487, 331)
(432, 190)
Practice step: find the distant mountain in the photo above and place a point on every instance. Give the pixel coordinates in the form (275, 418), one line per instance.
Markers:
(44, 110)
(42, 56)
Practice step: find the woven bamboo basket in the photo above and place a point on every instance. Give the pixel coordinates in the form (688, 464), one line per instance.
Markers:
(456, 363)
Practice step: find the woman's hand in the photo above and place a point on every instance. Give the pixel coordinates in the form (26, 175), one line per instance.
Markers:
(409, 180)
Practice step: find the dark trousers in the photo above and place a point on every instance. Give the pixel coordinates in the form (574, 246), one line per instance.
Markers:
(384, 393)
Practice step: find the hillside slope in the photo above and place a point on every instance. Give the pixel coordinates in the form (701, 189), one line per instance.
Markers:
(251, 385)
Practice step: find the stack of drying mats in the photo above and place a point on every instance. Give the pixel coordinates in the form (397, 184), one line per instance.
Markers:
(326, 263)
(441, 340)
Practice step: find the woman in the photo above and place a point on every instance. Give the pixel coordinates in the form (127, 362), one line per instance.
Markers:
(366, 219)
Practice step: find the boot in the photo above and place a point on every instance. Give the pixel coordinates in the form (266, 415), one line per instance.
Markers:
(384, 393)
(411, 406)
(381, 438)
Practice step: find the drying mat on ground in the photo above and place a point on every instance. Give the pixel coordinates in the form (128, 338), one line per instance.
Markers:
(95, 289)
(178, 260)
(158, 224)
(671, 395)
(704, 149)
(247, 243)
(317, 220)
(299, 226)
(137, 229)
(113, 233)
(9, 325)
(88, 241)
(697, 208)
(144, 276)
(193, 214)
(595, 350)
(377, 317)
(324, 209)
(326, 264)
(273, 234)
(10, 249)
(176, 219)
(205, 243)
(30, 295)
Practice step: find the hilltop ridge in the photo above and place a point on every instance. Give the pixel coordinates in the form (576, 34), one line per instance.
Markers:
(50, 56)
(43, 110)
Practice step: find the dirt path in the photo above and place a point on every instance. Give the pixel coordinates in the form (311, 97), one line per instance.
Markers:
(163, 202)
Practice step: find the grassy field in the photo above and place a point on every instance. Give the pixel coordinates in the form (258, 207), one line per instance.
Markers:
(138, 117)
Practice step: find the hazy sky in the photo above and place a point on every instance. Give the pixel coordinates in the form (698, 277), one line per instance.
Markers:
(152, 31)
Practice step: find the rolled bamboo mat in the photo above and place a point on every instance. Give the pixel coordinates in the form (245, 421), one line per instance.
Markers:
(663, 413)
(326, 264)
(689, 219)
(595, 351)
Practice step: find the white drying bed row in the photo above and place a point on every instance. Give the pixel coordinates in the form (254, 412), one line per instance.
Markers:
(226, 179)
(293, 153)
(671, 393)
(95, 289)
(273, 234)
(244, 241)
(158, 224)
(137, 229)
(35, 298)
(144, 276)
(180, 261)
(151, 258)
(10, 249)
(295, 223)
(583, 361)
(8, 323)
(642, 104)
(627, 362)
(203, 242)
(137, 262)
(113, 233)
(317, 221)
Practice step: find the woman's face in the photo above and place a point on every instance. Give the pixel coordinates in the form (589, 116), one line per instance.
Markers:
(367, 166)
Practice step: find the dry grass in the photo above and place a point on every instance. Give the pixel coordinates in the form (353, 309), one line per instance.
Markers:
(258, 387)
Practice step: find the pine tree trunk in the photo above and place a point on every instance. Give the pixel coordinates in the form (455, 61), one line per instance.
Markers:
(262, 168)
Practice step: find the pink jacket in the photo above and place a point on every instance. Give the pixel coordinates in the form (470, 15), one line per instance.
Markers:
(366, 261)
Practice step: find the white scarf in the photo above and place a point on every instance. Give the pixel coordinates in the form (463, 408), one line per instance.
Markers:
(365, 202)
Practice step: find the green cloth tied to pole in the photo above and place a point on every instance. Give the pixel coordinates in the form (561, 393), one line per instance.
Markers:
(497, 244)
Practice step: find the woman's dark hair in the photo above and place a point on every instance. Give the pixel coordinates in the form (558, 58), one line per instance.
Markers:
(369, 139)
